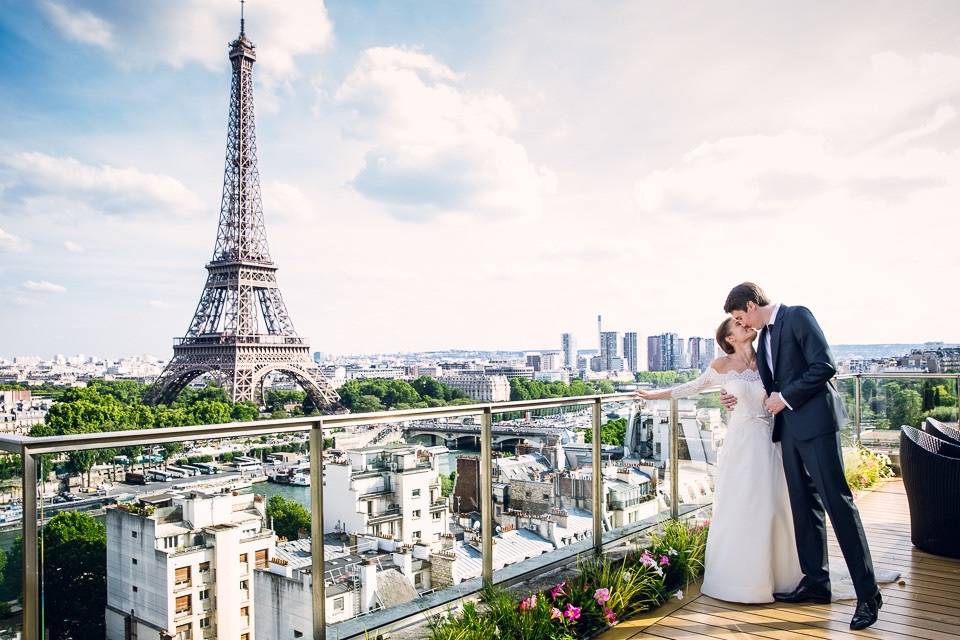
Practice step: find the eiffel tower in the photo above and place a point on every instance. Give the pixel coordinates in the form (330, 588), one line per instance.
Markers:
(241, 331)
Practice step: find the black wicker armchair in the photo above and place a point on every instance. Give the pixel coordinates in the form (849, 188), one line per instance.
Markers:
(931, 477)
(942, 431)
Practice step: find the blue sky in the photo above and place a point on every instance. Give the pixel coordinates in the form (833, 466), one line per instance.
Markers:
(483, 175)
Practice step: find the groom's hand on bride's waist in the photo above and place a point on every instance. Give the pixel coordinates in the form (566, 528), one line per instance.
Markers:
(728, 400)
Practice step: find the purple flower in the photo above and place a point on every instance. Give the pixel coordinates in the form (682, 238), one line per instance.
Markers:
(555, 614)
(601, 596)
(572, 613)
(529, 602)
(664, 561)
(610, 616)
(678, 595)
(557, 590)
(646, 559)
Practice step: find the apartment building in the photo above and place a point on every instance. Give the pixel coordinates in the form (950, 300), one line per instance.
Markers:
(180, 565)
(392, 491)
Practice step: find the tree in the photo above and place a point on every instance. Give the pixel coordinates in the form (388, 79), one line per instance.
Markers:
(447, 483)
(75, 568)
(612, 432)
(244, 411)
(904, 406)
(288, 517)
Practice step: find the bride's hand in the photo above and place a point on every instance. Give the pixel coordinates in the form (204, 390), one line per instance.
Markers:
(728, 400)
(645, 394)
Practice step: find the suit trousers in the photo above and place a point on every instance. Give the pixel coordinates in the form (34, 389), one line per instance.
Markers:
(817, 485)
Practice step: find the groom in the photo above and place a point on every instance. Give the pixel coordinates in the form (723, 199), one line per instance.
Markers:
(796, 366)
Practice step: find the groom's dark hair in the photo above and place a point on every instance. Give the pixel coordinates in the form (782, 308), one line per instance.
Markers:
(743, 293)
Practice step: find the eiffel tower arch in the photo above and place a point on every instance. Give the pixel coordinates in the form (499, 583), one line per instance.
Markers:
(241, 331)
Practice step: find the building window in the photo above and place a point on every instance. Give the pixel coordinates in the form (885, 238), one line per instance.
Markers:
(244, 636)
(204, 567)
(184, 632)
(260, 556)
(181, 576)
(135, 589)
(546, 496)
(243, 585)
(297, 634)
(134, 560)
(416, 513)
(182, 605)
(436, 515)
(418, 579)
(243, 558)
(338, 604)
(133, 534)
(170, 542)
(416, 493)
(205, 594)
(416, 535)
(205, 623)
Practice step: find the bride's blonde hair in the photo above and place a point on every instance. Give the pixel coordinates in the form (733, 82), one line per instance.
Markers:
(723, 332)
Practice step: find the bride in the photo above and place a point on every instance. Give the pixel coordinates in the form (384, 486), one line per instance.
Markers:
(751, 551)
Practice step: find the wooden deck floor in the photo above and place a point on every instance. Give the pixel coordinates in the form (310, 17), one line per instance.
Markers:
(925, 604)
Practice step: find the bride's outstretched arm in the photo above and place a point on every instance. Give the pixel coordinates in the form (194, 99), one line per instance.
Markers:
(708, 378)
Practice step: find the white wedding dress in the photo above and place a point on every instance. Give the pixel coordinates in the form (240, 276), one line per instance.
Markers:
(751, 549)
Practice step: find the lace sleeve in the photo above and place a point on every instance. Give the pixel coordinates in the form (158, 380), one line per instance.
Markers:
(709, 378)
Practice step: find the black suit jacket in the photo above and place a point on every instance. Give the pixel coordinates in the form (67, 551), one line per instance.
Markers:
(802, 369)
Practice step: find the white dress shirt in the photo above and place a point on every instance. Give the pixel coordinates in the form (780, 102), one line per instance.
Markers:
(769, 354)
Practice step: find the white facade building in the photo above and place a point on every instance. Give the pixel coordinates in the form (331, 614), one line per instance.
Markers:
(388, 491)
(481, 387)
(181, 566)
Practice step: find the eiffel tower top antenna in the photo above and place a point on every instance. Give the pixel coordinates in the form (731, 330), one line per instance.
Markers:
(242, 2)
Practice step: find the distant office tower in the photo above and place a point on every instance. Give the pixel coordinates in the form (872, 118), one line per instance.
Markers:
(630, 351)
(664, 352)
(693, 352)
(609, 349)
(550, 361)
(568, 345)
(653, 353)
(708, 351)
(600, 330)
(534, 360)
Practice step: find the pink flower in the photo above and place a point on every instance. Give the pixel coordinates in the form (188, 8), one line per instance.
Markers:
(555, 614)
(646, 559)
(601, 596)
(572, 613)
(529, 602)
(664, 561)
(557, 590)
(610, 616)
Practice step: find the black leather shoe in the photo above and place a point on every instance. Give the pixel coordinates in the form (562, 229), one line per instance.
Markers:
(803, 593)
(866, 613)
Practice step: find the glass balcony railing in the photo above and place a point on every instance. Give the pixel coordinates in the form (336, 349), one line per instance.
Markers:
(878, 404)
(197, 512)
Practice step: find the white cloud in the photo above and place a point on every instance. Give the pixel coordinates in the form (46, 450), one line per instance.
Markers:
(72, 246)
(287, 201)
(195, 31)
(12, 244)
(944, 115)
(158, 304)
(758, 175)
(42, 286)
(79, 25)
(112, 190)
(433, 146)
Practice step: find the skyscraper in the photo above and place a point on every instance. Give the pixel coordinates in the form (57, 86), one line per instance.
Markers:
(609, 348)
(665, 352)
(630, 351)
(568, 345)
(694, 346)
